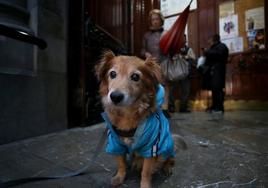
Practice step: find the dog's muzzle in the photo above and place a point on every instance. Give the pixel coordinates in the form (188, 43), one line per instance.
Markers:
(116, 97)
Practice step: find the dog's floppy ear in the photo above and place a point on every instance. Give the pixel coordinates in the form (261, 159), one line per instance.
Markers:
(154, 68)
(101, 68)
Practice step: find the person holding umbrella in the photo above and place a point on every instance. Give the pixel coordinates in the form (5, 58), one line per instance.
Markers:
(164, 45)
(151, 47)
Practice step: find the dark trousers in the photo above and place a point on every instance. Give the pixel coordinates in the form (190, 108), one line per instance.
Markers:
(185, 86)
(217, 99)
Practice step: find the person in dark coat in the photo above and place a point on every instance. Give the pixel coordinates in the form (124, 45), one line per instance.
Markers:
(214, 78)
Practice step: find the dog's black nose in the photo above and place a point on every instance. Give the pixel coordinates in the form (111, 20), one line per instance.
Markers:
(116, 97)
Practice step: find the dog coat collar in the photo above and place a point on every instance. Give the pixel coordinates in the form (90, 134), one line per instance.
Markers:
(123, 133)
(131, 132)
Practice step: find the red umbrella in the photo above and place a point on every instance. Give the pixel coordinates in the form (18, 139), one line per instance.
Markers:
(172, 41)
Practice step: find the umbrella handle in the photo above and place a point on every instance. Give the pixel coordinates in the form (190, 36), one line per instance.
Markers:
(190, 2)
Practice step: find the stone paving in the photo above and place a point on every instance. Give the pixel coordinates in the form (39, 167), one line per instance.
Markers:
(224, 151)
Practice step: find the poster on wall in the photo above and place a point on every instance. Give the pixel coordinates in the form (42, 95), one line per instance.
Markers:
(256, 39)
(170, 7)
(226, 9)
(228, 26)
(234, 44)
(254, 18)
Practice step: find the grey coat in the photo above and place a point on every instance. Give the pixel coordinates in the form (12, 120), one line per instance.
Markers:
(150, 44)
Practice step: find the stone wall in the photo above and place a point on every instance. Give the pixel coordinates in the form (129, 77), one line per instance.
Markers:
(34, 102)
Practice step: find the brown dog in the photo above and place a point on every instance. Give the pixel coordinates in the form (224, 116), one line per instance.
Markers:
(131, 96)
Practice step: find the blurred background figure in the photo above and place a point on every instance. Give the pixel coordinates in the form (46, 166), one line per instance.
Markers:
(216, 59)
(187, 54)
(151, 48)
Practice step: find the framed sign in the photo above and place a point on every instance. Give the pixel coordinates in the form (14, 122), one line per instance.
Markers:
(234, 44)
(254, 18)
(226, 9)
(228, 27)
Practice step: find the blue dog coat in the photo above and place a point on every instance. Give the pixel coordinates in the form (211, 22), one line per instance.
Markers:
(152, 137)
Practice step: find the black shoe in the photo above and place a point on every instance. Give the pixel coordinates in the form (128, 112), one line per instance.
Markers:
(166, 114)
(185, 111)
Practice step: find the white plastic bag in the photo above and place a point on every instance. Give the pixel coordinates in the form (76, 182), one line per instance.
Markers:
(201, 61)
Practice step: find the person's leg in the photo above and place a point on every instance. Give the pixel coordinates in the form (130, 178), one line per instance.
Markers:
(214, 99)
(171, 99)
(221, 100)
(184, 94)
(218, 99)
(187, 92)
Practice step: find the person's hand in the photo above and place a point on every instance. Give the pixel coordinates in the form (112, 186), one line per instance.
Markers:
(204, 51)
(185, 57)
(147, 55)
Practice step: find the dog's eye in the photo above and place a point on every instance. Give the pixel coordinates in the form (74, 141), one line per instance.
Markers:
(135, 77)
(112, 74)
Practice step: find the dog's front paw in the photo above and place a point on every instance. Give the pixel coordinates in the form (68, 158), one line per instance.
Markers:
(167, 167)
(167, 171)
(117, 179)
(145, 184)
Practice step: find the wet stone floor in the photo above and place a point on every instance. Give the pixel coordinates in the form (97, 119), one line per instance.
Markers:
(223, 151)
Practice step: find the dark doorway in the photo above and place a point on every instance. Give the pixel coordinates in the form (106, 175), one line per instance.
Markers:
(87, 41)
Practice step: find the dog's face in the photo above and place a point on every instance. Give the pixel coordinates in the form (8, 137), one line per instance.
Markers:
(124, 80)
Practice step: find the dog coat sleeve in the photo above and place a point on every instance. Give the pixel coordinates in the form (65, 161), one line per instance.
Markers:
(114, 145)
(155, 139)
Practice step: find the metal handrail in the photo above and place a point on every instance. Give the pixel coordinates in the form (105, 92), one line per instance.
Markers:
(21, 35)
(97, 33)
